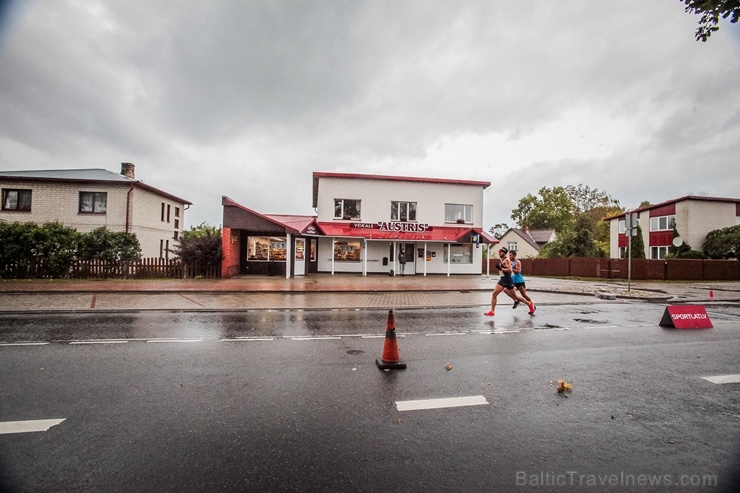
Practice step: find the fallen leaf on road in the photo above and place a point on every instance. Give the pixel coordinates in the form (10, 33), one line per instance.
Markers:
(449, 366)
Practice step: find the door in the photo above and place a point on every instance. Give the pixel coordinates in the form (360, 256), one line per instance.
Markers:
(300, 257)
(409, 250)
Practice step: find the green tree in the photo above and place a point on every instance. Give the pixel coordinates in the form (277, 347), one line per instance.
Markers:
(551, 209)
(637, 244)
(199, 245)
(32, 250)
(112, 246)
(575, 242)
(711, 11)
(723, 243)
(499, 230)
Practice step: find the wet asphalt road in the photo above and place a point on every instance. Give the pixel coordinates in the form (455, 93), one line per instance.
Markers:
(292, 401)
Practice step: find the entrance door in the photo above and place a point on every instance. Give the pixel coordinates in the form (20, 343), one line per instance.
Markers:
(300, 257)
(409, 250)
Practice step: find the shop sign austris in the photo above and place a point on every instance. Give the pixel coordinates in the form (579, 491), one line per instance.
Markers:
(394, 226)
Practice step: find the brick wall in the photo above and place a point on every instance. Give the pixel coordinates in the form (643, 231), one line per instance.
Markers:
(230, 249)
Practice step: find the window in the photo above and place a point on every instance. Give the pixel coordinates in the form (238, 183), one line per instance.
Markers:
(266, 248)
(459, 254)
(16, 200)
(93, 202)
(622, 227)
(663, 223)
(177, 224)
(168, 212)
(458, 213)
(177, 212)
(403, 211)
(511, 245)
(622, 252)
(347, 251)
(162, 215)
(346, 209)
(176, 236)
(658, 252)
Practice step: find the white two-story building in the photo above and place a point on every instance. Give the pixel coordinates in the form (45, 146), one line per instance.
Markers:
(363, 223)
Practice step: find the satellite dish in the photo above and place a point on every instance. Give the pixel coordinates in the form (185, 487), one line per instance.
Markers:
(677, 241)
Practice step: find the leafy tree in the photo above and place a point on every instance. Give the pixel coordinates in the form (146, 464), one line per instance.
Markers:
(723, 243)
(575, 242)
(51, 246)
(199, 244)
(552, 209)
(644, 203)
(112, 246)
(498, 230)
(710, 12)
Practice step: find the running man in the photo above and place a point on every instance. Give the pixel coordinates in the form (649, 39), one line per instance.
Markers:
(518, 279)
(505, 283)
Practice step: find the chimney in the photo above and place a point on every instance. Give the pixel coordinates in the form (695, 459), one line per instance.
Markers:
(127, 169)
(525, 228)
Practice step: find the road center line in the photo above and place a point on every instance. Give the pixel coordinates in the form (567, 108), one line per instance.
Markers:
(101, 341)
(174, 340)
(473, 400)
(247, 339)
(315, 338)
(8, 427)
(723, 379)
(447, 334)
(24, 343)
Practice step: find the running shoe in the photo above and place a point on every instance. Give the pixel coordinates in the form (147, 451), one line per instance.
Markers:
(532, 308)
(489, 314)
(516, 304)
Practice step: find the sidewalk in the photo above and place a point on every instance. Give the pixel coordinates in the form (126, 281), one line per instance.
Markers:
(324, 291)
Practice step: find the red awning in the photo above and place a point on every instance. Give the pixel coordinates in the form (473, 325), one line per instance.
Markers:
(437, 233)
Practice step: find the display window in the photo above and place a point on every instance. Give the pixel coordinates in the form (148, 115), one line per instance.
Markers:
(459, 254)
(347, 251)
(267, 248)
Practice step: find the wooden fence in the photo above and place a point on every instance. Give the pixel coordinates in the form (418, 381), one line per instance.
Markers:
(642, 269)
(144, 268)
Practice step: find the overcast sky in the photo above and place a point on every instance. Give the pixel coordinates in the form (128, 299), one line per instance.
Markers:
(248, 98)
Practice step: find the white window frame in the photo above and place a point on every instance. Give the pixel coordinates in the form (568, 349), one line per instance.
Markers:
(512, 246)
(403, 211)
(340, 205)
(457, 212)
(663, 223)
(658, 252)
(622, 227)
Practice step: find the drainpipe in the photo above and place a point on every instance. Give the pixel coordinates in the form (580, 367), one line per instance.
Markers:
(128, 207)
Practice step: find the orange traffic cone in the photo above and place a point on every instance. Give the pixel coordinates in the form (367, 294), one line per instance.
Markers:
(391, 359)
(711, 295)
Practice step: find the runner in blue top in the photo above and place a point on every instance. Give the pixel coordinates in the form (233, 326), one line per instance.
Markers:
(504, 284)
(518, 279)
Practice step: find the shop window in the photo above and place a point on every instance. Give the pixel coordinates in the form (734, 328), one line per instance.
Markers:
(312, 250)
(17, 200)
(347, 209)
(458, 213)
(347, 251)
(663, 223)
(266, 248)
(460, 253)
(403, 211)
(93, 202)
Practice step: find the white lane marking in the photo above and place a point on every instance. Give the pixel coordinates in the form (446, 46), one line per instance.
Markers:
(327, 338)
(723, 379)
(247, 339)
(447, 334)
(375, 337)
(174, 340)
(24, 344)
(101, 341)
(473, 400)
(8, 427)
(497, 332)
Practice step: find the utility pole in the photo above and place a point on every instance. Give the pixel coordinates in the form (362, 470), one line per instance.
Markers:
(630, 225)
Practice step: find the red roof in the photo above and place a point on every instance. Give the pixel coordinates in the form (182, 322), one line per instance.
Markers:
(436, 233)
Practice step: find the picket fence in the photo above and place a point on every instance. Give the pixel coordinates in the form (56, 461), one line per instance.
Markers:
(143, 268)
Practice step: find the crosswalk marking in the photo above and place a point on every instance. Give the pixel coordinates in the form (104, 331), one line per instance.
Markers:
(8, 427)
(473, 400)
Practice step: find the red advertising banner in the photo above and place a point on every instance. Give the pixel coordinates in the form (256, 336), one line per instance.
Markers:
(686, 317)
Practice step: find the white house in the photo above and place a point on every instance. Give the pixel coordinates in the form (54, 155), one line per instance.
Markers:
(368, 220)
(693, 217)
(527, 242)
(86, 199)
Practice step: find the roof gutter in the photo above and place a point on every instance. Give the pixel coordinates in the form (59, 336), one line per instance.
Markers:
(128, 207)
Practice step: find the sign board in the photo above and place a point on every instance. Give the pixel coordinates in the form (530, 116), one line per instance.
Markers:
(686, 317)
